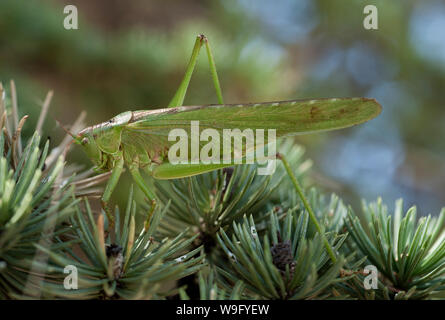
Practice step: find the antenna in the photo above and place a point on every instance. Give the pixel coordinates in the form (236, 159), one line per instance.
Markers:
(75, 137)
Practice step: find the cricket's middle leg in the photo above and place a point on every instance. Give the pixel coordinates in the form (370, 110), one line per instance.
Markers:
(134, 170)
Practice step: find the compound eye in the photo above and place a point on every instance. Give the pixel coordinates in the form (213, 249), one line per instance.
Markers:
(84, 141)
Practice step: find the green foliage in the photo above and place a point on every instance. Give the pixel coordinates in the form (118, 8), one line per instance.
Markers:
(285, 263)
(210, 290)
(29, 207)
(409, 253)
(129, 267)
(214, 200)
(33, 204)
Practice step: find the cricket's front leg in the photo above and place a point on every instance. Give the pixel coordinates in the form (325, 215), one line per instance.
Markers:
(111, 185)
(134, 170)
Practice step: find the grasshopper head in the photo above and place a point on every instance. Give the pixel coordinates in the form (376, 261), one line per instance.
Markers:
(88, 143)
(102, 142)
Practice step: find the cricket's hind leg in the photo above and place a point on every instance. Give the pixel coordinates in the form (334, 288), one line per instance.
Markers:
(134, 170)
(311, 213)
(178, 99)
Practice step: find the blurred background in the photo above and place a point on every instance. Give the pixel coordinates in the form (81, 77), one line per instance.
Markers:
(129, 55)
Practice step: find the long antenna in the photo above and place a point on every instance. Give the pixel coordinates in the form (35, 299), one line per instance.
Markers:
(75, 137)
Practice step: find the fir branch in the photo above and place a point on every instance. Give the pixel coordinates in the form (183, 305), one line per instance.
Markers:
(285, 264)
(33, 205)
(126, 267)
(210, 288)
(408, 253)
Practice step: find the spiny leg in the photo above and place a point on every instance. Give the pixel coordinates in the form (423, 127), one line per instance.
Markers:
(134, 170)
(111, 185)
(178, 99)
(308, 207)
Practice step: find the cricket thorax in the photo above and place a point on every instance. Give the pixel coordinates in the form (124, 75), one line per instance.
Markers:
(109, 141)
(137, 154)
(133, 156)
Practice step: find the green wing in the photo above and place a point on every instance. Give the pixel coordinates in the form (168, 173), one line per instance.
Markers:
(287, 117)
(149, 129)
